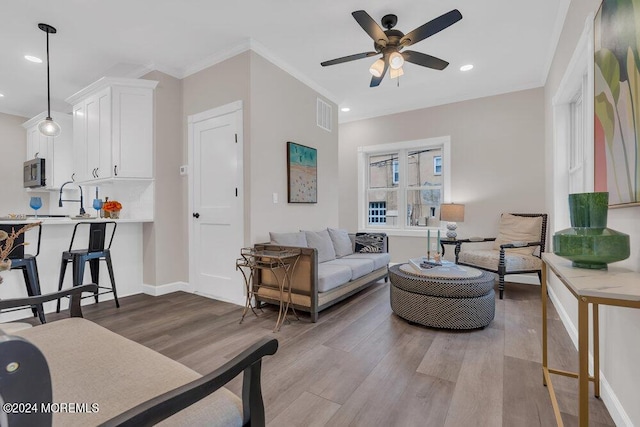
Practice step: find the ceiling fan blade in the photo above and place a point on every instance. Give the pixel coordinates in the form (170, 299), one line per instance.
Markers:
(370, 26)
(424, 60)
(348, 58)
(375, 81)
(432, 27)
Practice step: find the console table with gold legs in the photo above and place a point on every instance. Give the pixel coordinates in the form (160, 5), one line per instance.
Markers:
(616, 287)
(252, 260)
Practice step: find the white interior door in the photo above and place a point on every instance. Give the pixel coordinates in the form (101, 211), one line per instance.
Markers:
(216, 199)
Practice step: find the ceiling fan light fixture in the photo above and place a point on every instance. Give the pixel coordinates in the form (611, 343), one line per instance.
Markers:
(377, 68)
(394, 74)
(396, 60)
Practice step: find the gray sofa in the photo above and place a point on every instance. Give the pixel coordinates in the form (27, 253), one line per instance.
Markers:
(332, 267)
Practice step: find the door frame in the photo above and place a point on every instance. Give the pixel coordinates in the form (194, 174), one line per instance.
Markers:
(191, 121)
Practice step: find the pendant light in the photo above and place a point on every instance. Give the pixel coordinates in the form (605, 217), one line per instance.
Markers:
(48, 127)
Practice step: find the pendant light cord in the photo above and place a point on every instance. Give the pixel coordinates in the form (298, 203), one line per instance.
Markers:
(48, 83)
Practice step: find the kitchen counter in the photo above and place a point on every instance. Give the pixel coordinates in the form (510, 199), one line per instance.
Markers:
(68, 220)
(126, 253)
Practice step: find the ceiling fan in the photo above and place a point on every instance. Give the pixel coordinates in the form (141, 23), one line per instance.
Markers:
(390, 42)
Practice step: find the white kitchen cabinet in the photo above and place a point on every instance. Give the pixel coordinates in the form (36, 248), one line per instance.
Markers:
(113, 130)
(57, 151)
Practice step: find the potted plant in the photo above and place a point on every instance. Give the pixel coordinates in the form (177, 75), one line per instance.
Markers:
(112, 209)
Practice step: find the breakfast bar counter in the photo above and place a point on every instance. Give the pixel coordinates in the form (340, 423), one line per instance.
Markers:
(126, 252)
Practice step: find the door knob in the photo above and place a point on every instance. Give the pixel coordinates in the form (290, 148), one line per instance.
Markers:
(196, 215)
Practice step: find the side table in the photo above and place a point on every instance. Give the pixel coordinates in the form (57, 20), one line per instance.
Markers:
(252, 260)
(459, 242)
(615, 287)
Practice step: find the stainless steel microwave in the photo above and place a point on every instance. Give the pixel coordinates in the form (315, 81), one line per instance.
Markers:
(35, 173)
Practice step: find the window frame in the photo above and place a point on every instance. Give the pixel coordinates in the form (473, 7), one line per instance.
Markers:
(402, 148)
(437, 162)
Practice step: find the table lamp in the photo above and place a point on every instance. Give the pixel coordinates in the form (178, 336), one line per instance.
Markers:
(452, 213)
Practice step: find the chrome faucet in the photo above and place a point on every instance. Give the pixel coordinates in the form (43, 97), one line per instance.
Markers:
(60, 200)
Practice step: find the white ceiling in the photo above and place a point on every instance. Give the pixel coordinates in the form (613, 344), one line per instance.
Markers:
(510, 43)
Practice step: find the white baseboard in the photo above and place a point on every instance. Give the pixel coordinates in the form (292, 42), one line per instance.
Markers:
(166, 288)
(611, 402)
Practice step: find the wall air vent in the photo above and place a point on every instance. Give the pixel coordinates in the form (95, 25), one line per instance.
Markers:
(324, 112)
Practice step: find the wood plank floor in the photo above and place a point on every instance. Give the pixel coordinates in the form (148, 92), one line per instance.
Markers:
(361, 365)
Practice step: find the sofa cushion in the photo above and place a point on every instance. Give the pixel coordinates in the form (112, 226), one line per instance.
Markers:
(321, 241)
(515, 228)
(359, 267)
(331, 276)
(369, 242)
(341, 242)
(489, 259)
(379, 260)
(289, 239)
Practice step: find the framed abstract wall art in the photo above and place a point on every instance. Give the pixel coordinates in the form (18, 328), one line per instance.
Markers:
(302, 173)
(617, 101)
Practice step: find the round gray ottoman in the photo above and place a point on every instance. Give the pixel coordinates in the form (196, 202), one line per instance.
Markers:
(443, 302)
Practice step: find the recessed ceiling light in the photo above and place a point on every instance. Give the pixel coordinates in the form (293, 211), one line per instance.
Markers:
(33, 59)
(1, 95)
(466, 67)
(345, 109)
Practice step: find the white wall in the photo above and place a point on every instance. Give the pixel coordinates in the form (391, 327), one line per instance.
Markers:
(619, 327)
(497, 149)
(13, 150)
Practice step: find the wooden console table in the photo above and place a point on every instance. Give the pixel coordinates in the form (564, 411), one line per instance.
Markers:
(616, 287)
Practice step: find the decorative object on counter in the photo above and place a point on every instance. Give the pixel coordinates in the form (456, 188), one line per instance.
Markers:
(452, 213)
(589, 243)
(35, 203)
(112, 209)
(48, 127)
(7, 244)
(97, 205)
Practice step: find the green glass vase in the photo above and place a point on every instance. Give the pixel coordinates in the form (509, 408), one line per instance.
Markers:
(589, 243)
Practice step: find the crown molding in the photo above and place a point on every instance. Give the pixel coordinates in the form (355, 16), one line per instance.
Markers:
(563, 10)
(215, 59)
(110, 81)
(294, 72)
(436, 103)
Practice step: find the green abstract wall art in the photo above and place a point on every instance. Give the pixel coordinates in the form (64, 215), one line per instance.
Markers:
(617, 101)
(302, 173)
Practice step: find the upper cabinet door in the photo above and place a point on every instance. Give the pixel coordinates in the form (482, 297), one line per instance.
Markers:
(80, 162)
(56, 151)
(118, 128)
(132, 144)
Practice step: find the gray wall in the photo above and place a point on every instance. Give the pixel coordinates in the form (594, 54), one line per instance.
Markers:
(284, 109)
(497, 150)
(619, 327)
(164, 240)
(276, 108)
(13, 149)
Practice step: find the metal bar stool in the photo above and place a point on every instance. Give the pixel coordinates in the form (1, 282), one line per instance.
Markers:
(28, 264)
(94, 253)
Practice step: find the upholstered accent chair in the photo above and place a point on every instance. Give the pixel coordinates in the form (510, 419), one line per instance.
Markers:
(516, 250)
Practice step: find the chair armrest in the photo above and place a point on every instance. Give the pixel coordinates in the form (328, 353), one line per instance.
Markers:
(74, 306)
(159, 408)
(519, 245)
(486, 239)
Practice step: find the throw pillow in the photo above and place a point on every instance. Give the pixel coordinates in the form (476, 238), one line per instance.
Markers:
(341, 242)
(515, 228)
(321, 241)
(289, 239)
(370, 242)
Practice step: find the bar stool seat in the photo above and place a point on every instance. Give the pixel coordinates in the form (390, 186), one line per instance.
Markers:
(93, 254)
(28, 264)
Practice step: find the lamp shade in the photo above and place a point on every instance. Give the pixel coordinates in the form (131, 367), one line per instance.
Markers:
(394, 74)
(377, 68)
(452, 212)
(396, 60)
